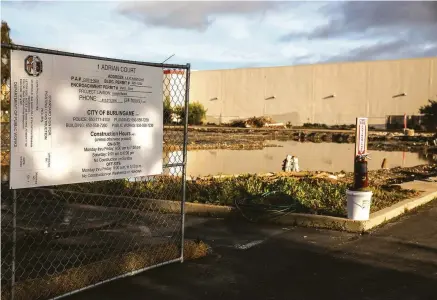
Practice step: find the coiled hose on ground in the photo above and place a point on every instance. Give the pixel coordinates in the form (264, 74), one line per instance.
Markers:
(264, 211)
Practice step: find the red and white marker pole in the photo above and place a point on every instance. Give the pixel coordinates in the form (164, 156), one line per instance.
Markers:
(360, 158)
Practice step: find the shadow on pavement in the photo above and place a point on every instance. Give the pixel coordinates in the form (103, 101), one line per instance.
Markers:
(292, 263)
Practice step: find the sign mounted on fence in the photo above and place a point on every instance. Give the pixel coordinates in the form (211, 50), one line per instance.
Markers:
(361, 136)
(80, 120)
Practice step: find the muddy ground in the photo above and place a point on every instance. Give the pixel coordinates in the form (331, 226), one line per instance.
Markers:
(248, 138)
(382, 177)
(386, 177)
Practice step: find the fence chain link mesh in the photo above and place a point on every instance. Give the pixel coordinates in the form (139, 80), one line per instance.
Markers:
(60, 239)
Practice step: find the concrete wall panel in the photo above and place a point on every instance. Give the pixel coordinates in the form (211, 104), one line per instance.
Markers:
(304, 93)
(432, 94)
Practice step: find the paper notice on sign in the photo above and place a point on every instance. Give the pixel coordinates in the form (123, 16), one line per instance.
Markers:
(79, 120)
(361, 136)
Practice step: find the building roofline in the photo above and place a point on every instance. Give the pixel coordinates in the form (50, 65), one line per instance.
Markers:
(323, 64)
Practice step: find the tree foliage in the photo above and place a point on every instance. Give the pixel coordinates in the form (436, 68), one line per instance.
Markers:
(196, 113)
(430, 115)
(6, 53)
(168, 110)
(5, 68)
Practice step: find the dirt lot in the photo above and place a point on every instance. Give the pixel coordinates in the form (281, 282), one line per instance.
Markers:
(256, 138)
(377, 177)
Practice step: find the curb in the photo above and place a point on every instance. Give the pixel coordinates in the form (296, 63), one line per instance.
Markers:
(329, 222)
(198, 209)
(402, 207)
(428, 189)
(166, 206)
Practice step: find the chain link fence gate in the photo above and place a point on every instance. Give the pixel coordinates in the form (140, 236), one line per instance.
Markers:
(62, 239)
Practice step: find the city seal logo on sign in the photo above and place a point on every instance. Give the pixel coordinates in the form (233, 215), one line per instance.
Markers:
(33, 65)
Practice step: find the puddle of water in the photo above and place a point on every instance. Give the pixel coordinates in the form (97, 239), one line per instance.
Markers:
(330, 157)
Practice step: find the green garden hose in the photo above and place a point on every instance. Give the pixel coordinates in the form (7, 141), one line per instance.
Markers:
(266, 210)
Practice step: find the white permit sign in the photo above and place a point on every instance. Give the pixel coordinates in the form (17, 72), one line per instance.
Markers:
(80, 120)
(361, 136)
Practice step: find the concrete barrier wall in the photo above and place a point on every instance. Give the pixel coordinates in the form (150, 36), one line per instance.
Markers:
(324, 93)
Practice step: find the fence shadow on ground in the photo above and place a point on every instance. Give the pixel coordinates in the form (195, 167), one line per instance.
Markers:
(281, 268)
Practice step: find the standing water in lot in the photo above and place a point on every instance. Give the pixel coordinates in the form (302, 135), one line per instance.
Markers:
(331, 157)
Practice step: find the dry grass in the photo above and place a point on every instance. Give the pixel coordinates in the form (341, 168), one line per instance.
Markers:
(77, 278)
(194, 250)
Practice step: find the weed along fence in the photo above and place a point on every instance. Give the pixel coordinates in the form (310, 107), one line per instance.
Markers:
(82, 161)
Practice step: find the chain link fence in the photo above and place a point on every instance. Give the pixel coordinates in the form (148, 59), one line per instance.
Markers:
(62, 239)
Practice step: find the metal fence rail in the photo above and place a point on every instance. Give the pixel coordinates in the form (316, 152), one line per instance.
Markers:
(62, 239)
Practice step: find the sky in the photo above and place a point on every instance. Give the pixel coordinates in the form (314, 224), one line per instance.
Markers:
(228, 34)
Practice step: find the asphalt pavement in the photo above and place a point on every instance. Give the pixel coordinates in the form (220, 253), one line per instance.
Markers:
(248, 261)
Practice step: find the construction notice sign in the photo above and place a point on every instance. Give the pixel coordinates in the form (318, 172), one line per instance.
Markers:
(80, 120)
(361, 136)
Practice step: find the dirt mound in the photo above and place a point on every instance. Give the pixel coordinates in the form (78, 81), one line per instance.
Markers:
(256, 122)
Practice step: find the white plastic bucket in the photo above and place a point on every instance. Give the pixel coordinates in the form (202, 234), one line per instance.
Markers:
(358, 205)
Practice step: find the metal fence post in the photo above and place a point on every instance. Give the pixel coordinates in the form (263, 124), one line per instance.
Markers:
(184, 168)
(14, 197)
(14, 241)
